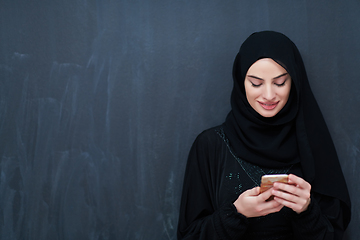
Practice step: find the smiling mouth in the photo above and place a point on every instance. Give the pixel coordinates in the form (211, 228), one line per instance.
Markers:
(269, 106)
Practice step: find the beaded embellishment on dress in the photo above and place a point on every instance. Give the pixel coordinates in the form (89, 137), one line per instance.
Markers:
(253, 171)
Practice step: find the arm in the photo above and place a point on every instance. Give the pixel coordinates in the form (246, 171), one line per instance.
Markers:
(253, 204)
(200, 218)
(315, 216)
(323, 220)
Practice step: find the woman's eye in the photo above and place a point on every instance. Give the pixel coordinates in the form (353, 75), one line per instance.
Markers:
(280, 84)
(255, 85)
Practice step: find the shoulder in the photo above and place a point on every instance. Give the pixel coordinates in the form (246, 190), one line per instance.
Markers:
(207, 151)
(209, 137)
(209, 144)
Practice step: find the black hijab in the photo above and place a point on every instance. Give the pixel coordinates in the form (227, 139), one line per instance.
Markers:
(298, 133)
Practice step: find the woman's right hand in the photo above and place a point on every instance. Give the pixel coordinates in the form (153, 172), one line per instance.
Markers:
(253, 204)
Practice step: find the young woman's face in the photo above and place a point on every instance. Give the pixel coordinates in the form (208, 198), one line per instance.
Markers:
(267, 87)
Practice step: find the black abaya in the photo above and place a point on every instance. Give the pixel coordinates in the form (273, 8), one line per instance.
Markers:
(227, 160)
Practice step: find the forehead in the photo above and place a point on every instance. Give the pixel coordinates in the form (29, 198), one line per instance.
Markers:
(266, 67)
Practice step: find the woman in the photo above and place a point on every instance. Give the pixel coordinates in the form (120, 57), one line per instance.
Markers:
(275, 126)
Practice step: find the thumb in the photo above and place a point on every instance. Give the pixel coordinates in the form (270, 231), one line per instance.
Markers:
(254, 191)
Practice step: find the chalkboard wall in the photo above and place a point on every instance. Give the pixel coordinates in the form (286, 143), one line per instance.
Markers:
(101, 100)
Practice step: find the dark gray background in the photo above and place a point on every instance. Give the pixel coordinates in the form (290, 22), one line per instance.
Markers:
(101, 100)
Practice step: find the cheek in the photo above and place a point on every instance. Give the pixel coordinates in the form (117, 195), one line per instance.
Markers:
(250, 91)
(285, 93)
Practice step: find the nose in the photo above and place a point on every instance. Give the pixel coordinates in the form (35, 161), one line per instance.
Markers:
(268, 92)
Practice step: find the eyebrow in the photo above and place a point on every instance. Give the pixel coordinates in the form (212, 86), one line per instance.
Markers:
(281, 75)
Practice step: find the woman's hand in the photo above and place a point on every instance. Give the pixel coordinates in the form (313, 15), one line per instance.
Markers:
(253, 204)
(294, 195)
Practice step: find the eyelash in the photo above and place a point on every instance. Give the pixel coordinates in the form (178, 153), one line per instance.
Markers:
(254, 85)
(279, 85)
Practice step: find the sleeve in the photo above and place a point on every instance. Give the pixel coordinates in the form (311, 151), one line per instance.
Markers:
(323, 220)
(199, 218)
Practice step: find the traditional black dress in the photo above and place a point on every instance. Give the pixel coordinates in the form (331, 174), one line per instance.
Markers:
(216, 176)
(227, 160)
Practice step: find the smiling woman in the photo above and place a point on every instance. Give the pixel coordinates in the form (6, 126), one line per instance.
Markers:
(274, 127)
(267, 87)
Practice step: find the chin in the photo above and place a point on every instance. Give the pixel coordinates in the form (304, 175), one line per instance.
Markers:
(268, 114)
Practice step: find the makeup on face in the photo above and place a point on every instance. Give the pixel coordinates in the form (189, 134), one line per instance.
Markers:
(267, 87)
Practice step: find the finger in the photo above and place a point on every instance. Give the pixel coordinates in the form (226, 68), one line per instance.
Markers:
(286, 188)
(270, 204)
(291, 200)
(253, 191)
(273, 210)
(271, 207)
(294, 206)
(265, 207)
(286, 196)
(295, 180)
(265, 195)
(291, 189)
(285, 203)
(256, 190)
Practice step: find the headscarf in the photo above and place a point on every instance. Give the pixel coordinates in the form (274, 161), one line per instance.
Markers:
(298, 133)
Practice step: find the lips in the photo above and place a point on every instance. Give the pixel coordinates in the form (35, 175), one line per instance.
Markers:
(269, 105)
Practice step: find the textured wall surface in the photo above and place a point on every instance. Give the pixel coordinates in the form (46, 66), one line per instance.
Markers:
(100, 102)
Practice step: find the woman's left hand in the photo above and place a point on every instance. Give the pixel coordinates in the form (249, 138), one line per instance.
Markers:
(294, 195)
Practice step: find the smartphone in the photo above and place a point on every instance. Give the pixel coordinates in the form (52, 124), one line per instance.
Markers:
(267, 181)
